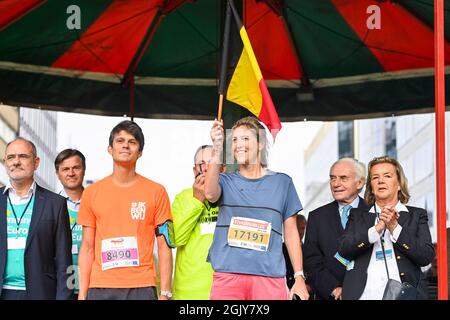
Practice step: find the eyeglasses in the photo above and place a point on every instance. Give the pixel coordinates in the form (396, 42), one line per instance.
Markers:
(21, 156)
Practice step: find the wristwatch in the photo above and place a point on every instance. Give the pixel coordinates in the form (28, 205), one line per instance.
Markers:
(166, 294)
(299, 274)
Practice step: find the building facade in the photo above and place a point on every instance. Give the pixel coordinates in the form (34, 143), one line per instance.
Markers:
(40, 126)
(9, 127)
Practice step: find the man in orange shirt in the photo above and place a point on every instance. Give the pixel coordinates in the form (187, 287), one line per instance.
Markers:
(121, 215)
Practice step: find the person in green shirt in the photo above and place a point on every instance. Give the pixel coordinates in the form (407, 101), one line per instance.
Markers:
(194, 221)
(70, 166)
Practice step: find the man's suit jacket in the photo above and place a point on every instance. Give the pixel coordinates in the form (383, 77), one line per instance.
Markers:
(48, 247)
(412, 250)
(323, 271)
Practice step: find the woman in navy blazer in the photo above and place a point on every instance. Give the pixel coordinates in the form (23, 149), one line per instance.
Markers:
(404, 230)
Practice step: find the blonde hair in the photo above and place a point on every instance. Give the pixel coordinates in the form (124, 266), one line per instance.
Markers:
(403, 193)
(253, 124)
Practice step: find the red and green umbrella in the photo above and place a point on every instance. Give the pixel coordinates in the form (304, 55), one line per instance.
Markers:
(161, 57)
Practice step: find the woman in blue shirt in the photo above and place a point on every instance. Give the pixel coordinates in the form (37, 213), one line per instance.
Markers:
(256, 204)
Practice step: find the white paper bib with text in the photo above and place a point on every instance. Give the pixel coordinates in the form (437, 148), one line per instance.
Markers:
(249, 233)
(119, 252)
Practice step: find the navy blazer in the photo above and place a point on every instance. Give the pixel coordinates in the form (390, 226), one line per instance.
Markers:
(48, 247)
(324, 272)
(413, 249)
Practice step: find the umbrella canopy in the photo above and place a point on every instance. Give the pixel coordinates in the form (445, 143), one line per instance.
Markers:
(323, 60)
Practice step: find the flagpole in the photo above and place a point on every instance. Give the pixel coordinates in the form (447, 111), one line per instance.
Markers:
(224, 62)
(219, 113)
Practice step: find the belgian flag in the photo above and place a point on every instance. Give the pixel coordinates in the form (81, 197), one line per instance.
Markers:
(241, 80)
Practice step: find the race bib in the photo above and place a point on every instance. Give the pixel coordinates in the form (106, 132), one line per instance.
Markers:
(207, 228)
(249, 233)
(119, 252)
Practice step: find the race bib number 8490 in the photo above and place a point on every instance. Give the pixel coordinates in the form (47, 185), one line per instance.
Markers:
(119, 252)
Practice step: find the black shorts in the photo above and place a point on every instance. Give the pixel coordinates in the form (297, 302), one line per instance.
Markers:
(147, 293)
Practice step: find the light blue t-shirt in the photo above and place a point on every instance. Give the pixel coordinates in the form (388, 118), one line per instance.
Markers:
(271, 198)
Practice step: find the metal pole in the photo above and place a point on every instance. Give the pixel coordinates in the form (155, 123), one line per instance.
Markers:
(439, 65)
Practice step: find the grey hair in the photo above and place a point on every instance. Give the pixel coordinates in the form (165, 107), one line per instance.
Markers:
(202, 147)
(359, 167)
(33, 146)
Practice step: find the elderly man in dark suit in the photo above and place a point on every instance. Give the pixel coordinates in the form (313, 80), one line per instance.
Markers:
(35, 238)
(325, 267)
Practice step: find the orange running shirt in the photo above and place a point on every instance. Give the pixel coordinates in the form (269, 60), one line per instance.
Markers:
(117, 212)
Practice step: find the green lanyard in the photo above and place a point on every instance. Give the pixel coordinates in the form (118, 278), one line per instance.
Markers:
(18, 221)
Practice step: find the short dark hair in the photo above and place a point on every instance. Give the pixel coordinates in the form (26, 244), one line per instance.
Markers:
(130, 127)
(33, 146)
(69, 153)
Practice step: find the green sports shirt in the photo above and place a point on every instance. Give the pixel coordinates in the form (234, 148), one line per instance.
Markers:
(194, 224)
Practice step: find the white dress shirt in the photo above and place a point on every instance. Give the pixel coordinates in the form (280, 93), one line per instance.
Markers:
(15, 198)
(376, 271)
(71, 204)
(354, 204)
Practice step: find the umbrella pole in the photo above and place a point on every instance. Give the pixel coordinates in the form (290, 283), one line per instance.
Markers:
(219, 113)
(440, 149)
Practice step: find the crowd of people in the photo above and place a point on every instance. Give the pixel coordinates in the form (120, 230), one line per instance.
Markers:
(238, 235)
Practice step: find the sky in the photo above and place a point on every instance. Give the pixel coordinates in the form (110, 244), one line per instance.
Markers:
(170, 146)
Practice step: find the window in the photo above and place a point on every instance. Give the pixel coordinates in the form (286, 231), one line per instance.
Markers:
(345, 136)
(391, 138)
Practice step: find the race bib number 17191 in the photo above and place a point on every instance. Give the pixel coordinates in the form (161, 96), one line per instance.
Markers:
(249, 233)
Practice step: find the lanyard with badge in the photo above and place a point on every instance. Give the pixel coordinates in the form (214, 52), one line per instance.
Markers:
(385, 254)
(74, 223)
(74, 245)
(18, 221)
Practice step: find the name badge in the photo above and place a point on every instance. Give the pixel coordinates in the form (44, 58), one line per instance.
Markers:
(119, 252)
(341, 259)
(207, 228)
(249, 233)
(16, 243)
(74, 249)
(379, 255)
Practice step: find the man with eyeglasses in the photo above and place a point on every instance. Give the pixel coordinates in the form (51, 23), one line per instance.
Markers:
(70, 166)
(194, 220)
(324, 266)
(35, 239)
